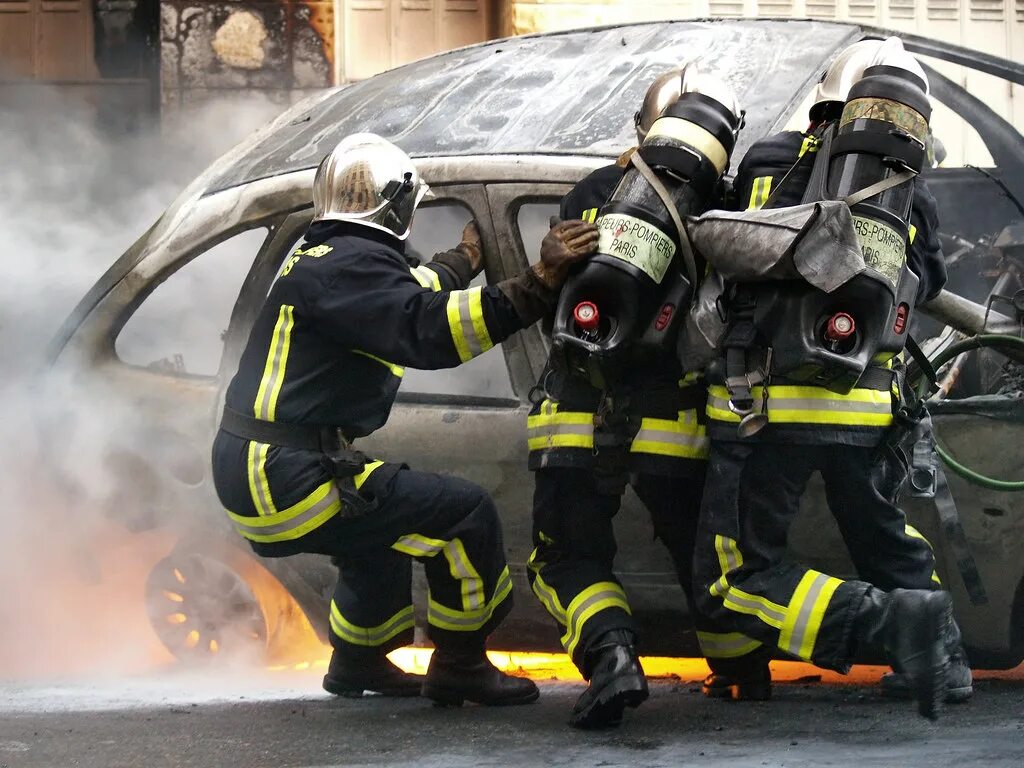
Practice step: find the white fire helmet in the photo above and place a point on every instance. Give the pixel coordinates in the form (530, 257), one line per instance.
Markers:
(849, 67)
(367, 180)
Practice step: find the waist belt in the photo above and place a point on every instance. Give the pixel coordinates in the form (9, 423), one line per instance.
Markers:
(641, 401)
(299, 437)
(874, 377)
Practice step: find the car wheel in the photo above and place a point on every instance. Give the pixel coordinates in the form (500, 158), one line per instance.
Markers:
(202, 609)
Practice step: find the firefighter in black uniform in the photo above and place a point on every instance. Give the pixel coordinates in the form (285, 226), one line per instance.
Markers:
(755, 482)
(578, 489)
(322, 366)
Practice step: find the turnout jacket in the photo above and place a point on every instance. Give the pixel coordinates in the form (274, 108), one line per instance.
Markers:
(560, 427)
(329, 347)
(804, 413)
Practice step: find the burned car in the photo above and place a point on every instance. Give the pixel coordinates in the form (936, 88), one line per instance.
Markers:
(501, 131)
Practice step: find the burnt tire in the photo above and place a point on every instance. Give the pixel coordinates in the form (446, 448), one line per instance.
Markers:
(202, 609)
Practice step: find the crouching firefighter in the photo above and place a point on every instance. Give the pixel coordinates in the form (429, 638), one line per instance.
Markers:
(321, 368)
(808, 384)
(605, 414)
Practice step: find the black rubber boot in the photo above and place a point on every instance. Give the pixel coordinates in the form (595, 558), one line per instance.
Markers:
(616, 680)
(357, 672)
(912, 625)
(464, 673)
(742, 679)
(959, 681)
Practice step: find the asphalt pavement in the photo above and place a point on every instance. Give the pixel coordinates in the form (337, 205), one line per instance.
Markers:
(243, 721)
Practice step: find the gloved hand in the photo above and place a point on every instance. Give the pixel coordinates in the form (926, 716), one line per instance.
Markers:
(471, 247)
(568, 243)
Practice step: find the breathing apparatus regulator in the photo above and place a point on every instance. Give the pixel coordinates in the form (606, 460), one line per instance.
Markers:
(624, 304)
(868, 158)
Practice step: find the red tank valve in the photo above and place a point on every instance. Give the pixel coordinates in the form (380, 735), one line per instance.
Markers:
(840, 327)
(586, 315)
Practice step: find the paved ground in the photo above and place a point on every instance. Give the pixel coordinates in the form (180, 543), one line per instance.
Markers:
(255, 721)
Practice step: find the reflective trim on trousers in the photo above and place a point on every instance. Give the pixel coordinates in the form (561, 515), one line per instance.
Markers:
(443, 617)
(301, 518)
(544, 591)
(371, 636)
(467, 325)
(809, 405)
(427, 278)
(805, 613)
(737, 600)
(725, 645)
(916, 534)
(459, 565)
(592, 600)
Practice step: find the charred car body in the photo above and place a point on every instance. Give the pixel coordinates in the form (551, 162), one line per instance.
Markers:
(501, 131)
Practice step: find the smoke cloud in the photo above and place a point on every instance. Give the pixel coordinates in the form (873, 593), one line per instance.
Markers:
(75, 192)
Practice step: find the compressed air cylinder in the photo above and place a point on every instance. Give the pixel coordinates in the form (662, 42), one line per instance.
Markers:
(638, 280)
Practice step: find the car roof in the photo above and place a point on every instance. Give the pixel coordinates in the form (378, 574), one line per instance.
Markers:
(567, 93)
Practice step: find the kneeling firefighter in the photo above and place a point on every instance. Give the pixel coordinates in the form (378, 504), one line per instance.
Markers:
(613, 405)
(808, 384)
(322, 366)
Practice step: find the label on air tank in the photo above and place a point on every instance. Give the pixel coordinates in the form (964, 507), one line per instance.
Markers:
(883, 247)
(636, 242)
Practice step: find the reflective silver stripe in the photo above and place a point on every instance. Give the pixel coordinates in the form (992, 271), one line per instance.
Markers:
(560, 429)
(466, 321)
(271, 383)
(754, 606)
(371, 636)
(672, 438)
(478, 616)
(726, 645)
(803, 617)
(303, 517)
(420, 546)
(809, 404)
(732, 560)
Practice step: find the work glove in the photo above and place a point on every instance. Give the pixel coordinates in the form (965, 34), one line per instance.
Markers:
(567, 243)
(471, 248)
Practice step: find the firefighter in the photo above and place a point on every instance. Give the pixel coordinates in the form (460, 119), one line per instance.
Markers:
(580, 477)
(321, 368)
(755, 482)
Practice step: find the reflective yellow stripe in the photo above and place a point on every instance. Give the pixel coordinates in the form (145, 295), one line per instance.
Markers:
(805, 613)
(544, 592)
(810, 405)
(725, 645)
(443, 617)
(914, 533)
(371, 636)
(396, 370)
(301, 518)
(551, 428)
(590, 215)
(683, 438)
(737, 600)
(592, 600)
(426, 277)
(259, 487)
(912, 233)
(809, 144)
(467, 325)
(759, 192)
(459, 564)
(265, 406)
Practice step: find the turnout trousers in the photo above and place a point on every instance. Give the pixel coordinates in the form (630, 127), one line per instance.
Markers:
(745, 583)
(570, 570)
(448, 524)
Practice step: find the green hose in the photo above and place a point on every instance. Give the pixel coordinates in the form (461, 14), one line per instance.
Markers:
(977, 342)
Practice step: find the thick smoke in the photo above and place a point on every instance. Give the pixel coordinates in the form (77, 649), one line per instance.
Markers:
(75, 191)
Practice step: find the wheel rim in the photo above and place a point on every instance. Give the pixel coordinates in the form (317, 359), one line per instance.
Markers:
(202, 609)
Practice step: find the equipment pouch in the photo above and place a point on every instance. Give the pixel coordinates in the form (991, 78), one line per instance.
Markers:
(344, 463)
